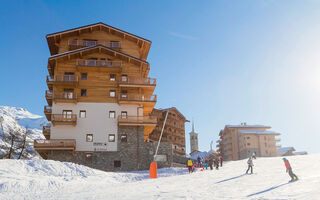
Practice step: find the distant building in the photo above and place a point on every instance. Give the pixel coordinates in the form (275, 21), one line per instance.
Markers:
(174, 130)
(289, 151)
(241, 141)
(285, 151)
(194, 148)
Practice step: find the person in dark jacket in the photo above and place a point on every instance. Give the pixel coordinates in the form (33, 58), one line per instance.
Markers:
(216, 162)
(220, 160)
(199, 161)
(289, 169)
(250, 165)
(210, 163)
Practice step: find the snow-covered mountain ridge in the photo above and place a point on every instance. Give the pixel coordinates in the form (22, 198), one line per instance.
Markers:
(16, 120)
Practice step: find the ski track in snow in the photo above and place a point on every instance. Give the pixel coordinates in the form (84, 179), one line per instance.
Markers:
(47, 179)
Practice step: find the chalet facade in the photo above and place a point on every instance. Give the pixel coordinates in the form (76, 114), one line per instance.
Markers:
(99, 99)
(174, 130)
(241, 141)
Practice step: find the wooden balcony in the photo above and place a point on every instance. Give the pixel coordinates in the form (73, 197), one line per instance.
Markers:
(135, 82)
(46, 131)
(65, 97)
(137, 98)
(49, 97)
(67, 80)
(101, 64)
(64, 119)
(76, 44)
(48, 112)
(137, 121)
(54, 144)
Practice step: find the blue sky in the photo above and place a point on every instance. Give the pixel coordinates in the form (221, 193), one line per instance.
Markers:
(219, 62)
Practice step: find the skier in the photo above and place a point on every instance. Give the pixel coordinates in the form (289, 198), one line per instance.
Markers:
(199, 161)
(206, 163)
(216, 162)
(289, 169)
(189, 165)
(254, 155)
(250, 165)
(220, 160)
(210, 163)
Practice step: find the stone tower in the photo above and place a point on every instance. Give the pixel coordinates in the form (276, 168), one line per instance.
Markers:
(193, 140)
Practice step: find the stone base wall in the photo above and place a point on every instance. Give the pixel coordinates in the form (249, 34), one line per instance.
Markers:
(134, 154)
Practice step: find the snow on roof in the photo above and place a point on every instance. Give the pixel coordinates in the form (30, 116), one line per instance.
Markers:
(300, 153)
(202, 155)
(284, 150)
(247, 126)
(261, 132)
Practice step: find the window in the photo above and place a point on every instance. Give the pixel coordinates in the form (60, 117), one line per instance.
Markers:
(248, 138)
(82, 114)
(112, 114)
(68, 93)
(124, 114)
(68, 76)
(89, 156)
(112, 93)
(117, 163)
(83, 92)
(112, 138)
(89, 138)
(124, 78)
(112, 77)
(124, 93)
(123, 137)
(115, 44)
(84, 76)
(67, 114)
(248, 144)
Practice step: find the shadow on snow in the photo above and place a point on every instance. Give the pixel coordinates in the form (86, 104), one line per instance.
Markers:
(230, 178)
(269, 189)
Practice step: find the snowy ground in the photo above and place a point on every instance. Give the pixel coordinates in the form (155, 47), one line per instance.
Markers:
(41, 179)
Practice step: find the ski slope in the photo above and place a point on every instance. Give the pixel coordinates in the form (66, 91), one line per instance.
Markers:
(45, 179)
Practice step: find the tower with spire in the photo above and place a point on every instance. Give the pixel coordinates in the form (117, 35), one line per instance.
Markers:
(193, 140)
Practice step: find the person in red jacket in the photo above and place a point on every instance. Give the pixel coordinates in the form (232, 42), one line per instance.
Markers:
(289, 169)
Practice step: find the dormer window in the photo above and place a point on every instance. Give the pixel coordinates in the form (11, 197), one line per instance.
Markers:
(88, 42)
(115, 44)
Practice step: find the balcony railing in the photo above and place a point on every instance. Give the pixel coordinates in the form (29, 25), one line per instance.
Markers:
(88, 43)
(46, 131)
(137, 97)
(48, 94)
(65, 96)
(64, 119)
(47, 109)
(137, 120)
(137, 81)
(62, 78)
(55, 144)
(99, 63)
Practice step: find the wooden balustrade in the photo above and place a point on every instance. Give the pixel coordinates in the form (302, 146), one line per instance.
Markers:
(62, 78)
(99, 63)
(138, 81)
(88, 43)
(137, 97)
(55, 144)
(47, 109)
(48, 94)
(65, 96)
(143, 120)
(64, 119)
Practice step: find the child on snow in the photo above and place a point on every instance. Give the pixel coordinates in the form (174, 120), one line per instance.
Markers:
(250, 165)
(206, 163)
(189, 165)
(289, 169)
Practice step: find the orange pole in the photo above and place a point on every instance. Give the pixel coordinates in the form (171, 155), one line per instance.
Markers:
(153, 170)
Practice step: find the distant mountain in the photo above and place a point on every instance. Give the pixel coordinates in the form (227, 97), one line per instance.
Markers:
(16, 120)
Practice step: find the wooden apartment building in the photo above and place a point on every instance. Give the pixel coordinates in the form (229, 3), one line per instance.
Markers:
(99, 99)
(174, 130)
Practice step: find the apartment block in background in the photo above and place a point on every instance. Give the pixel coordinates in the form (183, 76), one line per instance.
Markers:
(174, 130)
(240, 141)
(99, 99)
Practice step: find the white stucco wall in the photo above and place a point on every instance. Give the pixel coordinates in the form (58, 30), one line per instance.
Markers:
(97, 122)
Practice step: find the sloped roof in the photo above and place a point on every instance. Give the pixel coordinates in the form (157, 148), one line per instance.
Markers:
(259, 132)
(94, 47)
(284, 150)
(97, 24)
(174, 108)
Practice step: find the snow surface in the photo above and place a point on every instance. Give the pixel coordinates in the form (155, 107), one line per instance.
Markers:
(45, 179)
